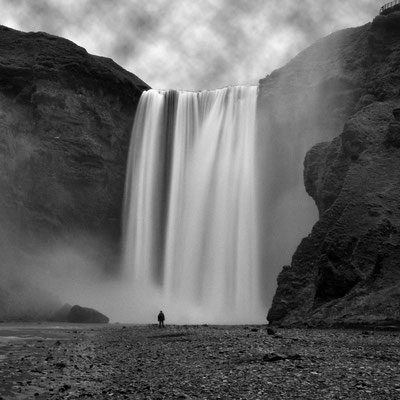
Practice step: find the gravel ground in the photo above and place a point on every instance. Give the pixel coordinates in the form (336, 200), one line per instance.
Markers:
(196, 362)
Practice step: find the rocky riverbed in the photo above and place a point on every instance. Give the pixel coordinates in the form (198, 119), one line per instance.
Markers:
(196, 362)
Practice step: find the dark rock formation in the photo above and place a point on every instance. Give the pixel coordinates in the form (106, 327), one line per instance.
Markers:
(83, 315)
(272, 357)
(393, 132)
(78, 314)
(65, 125)
(65, 122)
(346, 272)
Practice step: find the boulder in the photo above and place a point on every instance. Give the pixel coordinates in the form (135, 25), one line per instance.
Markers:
(396, 114)
(393, 134)
(83, 315)
(271, 331)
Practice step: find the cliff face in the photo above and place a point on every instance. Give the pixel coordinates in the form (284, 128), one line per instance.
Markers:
(346, 272)
(65, 123)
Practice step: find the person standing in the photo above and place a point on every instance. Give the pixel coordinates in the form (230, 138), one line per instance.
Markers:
(161, 319)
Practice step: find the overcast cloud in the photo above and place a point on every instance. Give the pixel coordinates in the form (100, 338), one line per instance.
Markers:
(191, 44)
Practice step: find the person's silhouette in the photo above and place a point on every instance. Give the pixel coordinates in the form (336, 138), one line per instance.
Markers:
(161, 319)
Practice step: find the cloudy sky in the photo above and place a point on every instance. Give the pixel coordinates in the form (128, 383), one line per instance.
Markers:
(191, 44)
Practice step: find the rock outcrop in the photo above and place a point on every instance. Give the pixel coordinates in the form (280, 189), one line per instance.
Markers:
(65, 123)
(78, 315)
(84, 315)
(347, 272)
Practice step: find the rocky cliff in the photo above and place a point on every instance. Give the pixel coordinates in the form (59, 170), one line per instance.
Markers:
(65, 122)
(347, 272)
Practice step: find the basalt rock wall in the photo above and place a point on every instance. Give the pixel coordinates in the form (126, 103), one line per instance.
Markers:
(65, 123)
(347, 271)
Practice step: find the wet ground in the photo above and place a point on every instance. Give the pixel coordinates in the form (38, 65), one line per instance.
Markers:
(43, 361)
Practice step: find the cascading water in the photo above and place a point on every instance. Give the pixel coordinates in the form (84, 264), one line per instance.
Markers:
(191, 213)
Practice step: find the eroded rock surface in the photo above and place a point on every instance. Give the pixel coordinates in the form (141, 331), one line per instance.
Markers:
(346, 271)
(65, 122)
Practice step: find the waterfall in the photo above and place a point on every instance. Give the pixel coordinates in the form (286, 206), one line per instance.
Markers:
(191, 236)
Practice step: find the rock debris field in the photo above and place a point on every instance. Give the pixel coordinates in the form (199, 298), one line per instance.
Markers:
(196, 362)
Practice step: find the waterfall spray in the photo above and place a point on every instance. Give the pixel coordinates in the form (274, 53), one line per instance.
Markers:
(191, 212)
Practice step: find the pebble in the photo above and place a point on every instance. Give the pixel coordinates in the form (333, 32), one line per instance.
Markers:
(205, 362)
